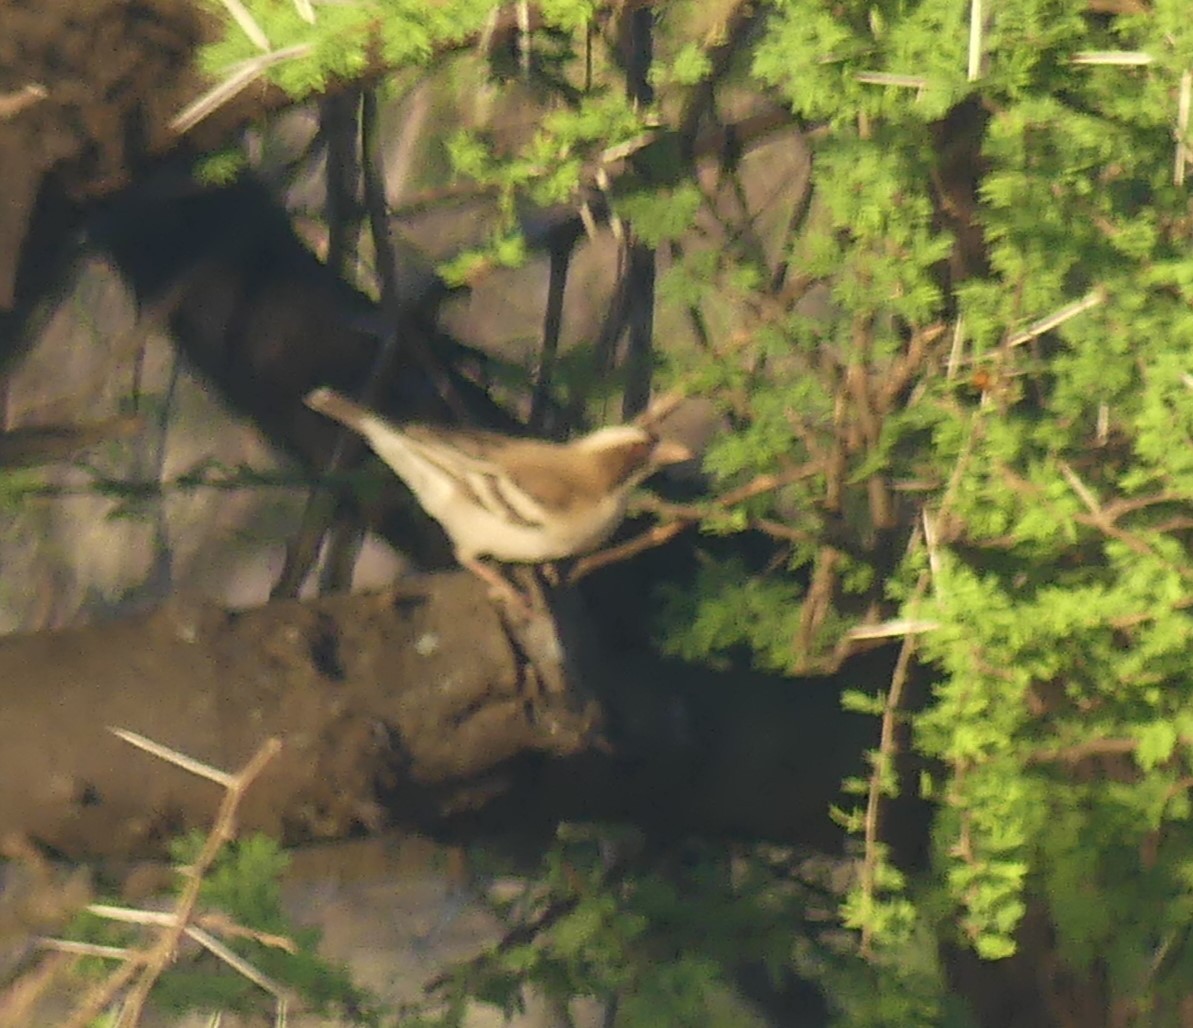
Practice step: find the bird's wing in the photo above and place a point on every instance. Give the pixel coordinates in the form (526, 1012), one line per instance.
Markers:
(475, 464)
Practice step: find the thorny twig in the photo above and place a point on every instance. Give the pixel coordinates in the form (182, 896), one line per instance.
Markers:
(143, 967)
(680, 516)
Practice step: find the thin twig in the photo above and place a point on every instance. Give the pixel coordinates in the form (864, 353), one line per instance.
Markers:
(1083, 491)
(893, 629)
(241, 77)
(209, 942)
(768, 483)
(1183, 152)
(884, 762)
(11, 104)
(975, 41)
(85, 949)
(660, 408)
(955, 349)
(248, 25)
(930, 537)
(1091, 299)
(885, 78)
(221, 923)
(147, 965)
(652, 537)
(162, 952)
(619, 151)
(1121, 58)
(679, 516)
(375, 191)
(523, 15)
(172, 756)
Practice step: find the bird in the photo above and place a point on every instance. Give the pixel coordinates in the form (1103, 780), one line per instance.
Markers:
(517, 500)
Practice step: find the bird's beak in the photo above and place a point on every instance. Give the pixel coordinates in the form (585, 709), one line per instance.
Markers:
(668, 452)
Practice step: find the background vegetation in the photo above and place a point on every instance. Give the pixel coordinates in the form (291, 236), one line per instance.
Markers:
(957, 380)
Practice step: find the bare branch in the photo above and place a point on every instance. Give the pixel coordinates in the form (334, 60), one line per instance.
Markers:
(1091, 299)
(248, 25)
(11, 104)
(142, 968)
(172, 756)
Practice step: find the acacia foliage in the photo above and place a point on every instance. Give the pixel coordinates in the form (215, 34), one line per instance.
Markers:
(987, 429)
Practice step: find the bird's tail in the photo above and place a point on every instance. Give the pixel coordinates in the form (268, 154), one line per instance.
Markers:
(339, 408)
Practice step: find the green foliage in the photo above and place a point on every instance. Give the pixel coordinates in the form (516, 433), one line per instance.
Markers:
(245, 884)
(959, 394)
(602, 919)
(1061, 579)
(345, 40)
(220, 168)
(730, 607)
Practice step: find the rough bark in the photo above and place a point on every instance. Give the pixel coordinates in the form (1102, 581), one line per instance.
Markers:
(423, 688)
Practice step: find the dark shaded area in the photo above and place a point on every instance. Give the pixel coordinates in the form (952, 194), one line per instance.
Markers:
(113, 73)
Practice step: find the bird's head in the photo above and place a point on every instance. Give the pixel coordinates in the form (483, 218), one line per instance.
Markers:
(628, 454)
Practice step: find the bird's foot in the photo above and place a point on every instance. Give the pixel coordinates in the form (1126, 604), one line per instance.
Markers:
(501, 591)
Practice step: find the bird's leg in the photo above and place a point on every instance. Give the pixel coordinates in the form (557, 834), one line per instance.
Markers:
(499, 588)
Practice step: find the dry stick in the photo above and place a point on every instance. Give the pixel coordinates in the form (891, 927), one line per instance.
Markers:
(86, 949)
(1091, 299)
(660, 408)
(338, 539)
(896, 628)
(975, 41)
(955, 349)
(1096, 518)
(150, 963)
(11, 104)
(1183, 152)
(1119, 58)
(282, 996)
(216, 922)
(886, 78)
(162, 953)
(248, 25)
(240, 77)
(166, 919)
(523, 15)
(647, 540)
(172, 756)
